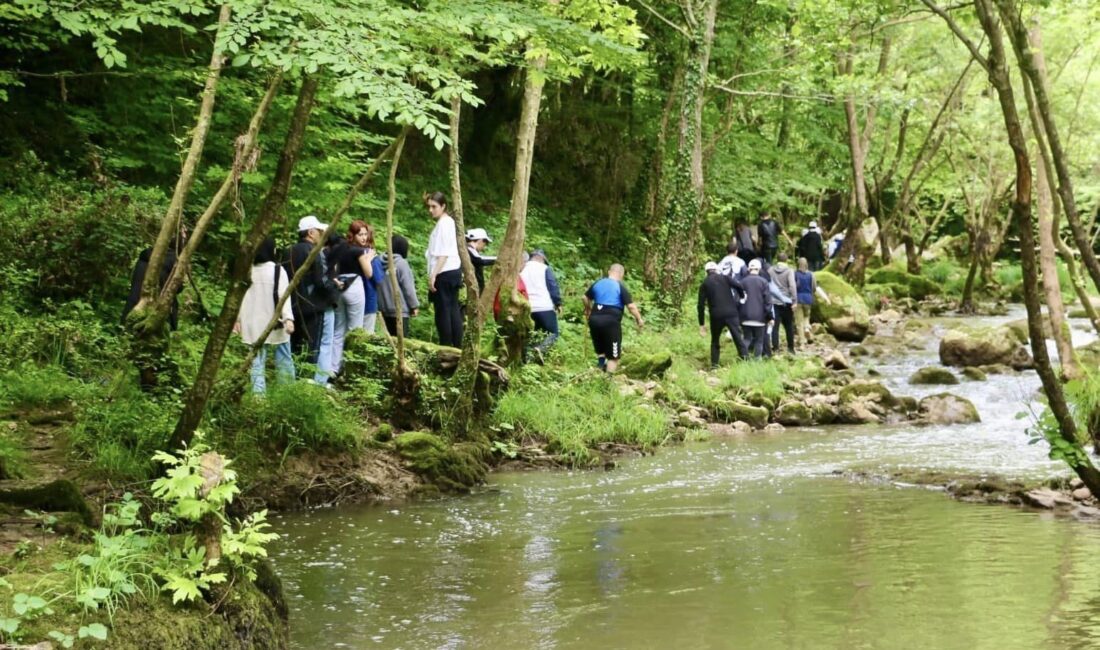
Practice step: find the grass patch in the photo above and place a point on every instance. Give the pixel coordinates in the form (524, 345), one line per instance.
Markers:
(767, 377)
(31, 387)
(575, 418)
(119, 433)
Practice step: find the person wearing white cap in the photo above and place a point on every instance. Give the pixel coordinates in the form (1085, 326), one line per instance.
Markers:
(812, 247)
(315, 294)
(444, 272)
(756, 311)
(722, 293)
(476, 241)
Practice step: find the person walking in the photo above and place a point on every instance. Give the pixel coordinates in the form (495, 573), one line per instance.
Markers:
(732, 265)
(807, 287)
(756, 310)
(315, 293)
(812, 247)
(444, 274)
(768, 233)
(604, 303)
(745, 243)
(388, 303)
(721, 293)
(476, 242)
(785, 290)
(545, 298)
(269, 284)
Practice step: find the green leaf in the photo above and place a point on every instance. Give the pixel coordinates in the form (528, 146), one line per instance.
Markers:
(95, 630)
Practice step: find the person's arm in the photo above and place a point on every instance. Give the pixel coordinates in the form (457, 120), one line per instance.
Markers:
(792, 286)
(436, 270)
(408, 288)
(636, 314)
(288, 312)
(552, 287)
(702, 308)
(365, 264)
(587, 297)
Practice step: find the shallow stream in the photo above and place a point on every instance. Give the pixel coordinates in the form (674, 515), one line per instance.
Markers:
(751, 543)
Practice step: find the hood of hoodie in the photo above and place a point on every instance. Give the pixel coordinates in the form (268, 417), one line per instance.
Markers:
(386, 259)
(781, 268)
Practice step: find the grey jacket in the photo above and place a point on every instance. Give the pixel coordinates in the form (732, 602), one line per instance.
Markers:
(386, 303)
(783, 277)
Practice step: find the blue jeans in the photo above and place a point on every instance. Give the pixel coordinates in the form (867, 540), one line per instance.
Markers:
(324, 355)
(348, 316)
(546, 321)
(284, 366)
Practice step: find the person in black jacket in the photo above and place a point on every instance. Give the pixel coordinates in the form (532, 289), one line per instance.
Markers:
(768, 233)
(812, 247)
(314, 294)
(476, 241)
(756, 312)
(718, 292)
(137, 278)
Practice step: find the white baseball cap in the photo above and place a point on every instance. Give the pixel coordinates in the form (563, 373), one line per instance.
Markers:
(310, 223)
(475, 234)
(813, 224)
(754, 265)
(710, 266)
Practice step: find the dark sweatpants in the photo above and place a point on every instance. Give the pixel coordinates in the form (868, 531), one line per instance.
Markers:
(448, 311)
(391, 325)
(757, 334)
(784, 315)
(306, 339)
(717, 324)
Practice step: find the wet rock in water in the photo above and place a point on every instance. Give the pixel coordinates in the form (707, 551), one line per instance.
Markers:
(845, 314)
(873, 390)
(859, 411)
(1046, 498)
(823, 408)
(859, 351)
(934, 375)
(983, 346)
(729, 430)
(1020, 329)
(691, 418)
(996, 369)
(646, 366)
(452, 467)
(873, 372)
(834, 360)
(731, 411)
(887, 323)
(774, 428)
(946, 408)
(975, 374)
(1076, 482)
(794, 414)
(1082, 494)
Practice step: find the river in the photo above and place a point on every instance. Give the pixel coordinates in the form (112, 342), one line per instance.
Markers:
(747, 543)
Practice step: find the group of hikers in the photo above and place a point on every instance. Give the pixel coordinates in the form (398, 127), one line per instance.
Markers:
(347, 287)
(753, 292)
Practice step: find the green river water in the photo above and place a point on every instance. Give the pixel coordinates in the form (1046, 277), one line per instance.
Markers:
(752, 543)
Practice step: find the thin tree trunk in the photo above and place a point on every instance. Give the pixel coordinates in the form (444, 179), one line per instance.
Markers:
(1018, 35)
(1052, 288)
(680, 233)
(273, 208)
(966, 303)
(466, 374)
(654, 204)
(171, 223)
(1066, 435)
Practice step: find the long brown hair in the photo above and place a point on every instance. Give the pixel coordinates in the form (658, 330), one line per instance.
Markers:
(355, 228)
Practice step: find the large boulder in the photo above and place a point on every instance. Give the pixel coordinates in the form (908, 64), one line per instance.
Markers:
(945, 408)
(933, 375)
(794, 414)
(646, 365)
(1019, 328)
(983, 346)
(904, 285)
(731, 411)
(844, 314)
(869, 402)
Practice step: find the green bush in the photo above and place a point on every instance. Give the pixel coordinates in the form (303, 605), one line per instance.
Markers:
(30, 386)
(119, 433)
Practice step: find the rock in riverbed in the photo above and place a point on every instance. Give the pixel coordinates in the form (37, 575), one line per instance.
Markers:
(983, 346)
(946, 408)
(934, 375)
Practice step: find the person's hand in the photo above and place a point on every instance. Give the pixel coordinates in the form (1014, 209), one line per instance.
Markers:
(371, 254)
(558, 309)
(702, 330)
(237, 327)
(288, 326)
(641, 322)
(431, 283)
(339, 283)
(415, 313)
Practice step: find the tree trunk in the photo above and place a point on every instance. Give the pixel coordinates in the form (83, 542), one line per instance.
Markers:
(169, 227)
(1052, 288)
(273, 208)
(508, 262)
(654, 203)
(147, 323)
(966, 303)
(1065, 437)
(680, 232)
(1037, 76)
(406, 382)
(465, 413)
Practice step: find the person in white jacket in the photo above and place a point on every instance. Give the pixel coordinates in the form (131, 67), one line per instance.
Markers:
(269, 283)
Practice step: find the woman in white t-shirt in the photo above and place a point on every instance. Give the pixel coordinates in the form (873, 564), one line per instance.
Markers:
(444, 272)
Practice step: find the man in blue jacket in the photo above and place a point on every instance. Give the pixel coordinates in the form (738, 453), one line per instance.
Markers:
(604, 303)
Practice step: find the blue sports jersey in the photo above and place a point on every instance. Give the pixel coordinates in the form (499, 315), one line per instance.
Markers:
(609, 293)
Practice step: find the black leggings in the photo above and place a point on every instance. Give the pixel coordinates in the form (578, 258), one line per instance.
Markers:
(306, 338)
(391, 325)
(784, 315)
(448, 312)
(717, 324)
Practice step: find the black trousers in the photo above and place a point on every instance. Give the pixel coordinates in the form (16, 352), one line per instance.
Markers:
(784, 315)
(719, 323)
(769, 253)
(448, 311)
(391, 324)
(306, 339)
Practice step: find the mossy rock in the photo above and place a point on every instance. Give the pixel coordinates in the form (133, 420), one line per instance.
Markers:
(57, 496)
(646, 366)
(756, 398)
(874, 292)
(934, 375)
(870, 389)
(1020, 329)
(981, 346)
(906, 285)
(844, 307)
(974, 374)
(945, 408)
(794, 414)
(731, 411)
(452, 467)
